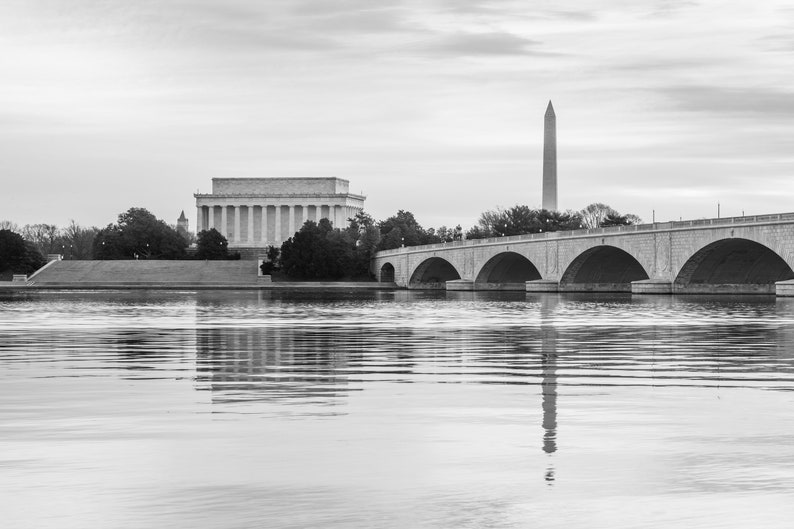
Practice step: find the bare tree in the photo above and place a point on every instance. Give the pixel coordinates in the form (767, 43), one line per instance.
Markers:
(598, 215)
(594, 214)
(43, 236)
(633, 219)
(9, 225)
(78, 242)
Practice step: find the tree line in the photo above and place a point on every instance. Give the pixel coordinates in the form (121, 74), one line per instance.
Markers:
(136, 234)
(520, 220)
(318, 250)
(23, 250)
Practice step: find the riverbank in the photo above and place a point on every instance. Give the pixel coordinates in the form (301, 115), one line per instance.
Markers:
(284, 285)
(170, 275)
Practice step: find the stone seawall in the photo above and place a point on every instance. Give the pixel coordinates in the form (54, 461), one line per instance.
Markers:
(128, 272)
(170, 275)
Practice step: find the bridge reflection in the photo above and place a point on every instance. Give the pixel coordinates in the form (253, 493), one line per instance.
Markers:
(244, 364)
(305, 353)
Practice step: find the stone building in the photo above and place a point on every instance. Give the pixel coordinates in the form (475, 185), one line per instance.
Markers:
(182, 224)
(253, 213)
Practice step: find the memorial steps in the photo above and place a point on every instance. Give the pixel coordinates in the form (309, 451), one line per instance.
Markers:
(143, 273)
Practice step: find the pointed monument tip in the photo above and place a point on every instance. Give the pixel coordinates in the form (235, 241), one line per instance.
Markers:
(550, 109)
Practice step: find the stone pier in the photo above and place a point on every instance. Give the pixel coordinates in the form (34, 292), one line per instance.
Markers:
(734, 255)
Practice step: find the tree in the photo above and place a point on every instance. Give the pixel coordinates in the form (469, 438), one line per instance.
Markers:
(273, 253)
(138, 234)
(33, 260)
(632, 219)
(594, 214)
(320, 251)
(478, 232)
(43, 236)
(273, 262)
(410, 232)
(615, 219)
(521, 219)
(598, 215)
(393, 239)
(12, 250)
(188, 236)
(366, 246)
(18, 256)
(360, 221)
(449, 234)
(9, 225)
(211, 245)
(77, 242)
(364, 235)
(307, 254)
(559, 220)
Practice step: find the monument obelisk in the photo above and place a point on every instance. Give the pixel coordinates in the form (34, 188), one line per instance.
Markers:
(550, 159)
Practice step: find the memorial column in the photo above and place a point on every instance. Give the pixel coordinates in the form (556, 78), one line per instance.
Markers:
(237, 237)
(264, 224)
(337, 215)
(210, 217)
(224, 221)
(250, 223)
(199, 219)
(291, 221)
(277, 234)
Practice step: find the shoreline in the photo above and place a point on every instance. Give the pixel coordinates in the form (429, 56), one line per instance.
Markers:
(285, 285)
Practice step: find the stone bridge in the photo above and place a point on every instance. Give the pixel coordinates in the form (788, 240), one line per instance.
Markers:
(739, 255)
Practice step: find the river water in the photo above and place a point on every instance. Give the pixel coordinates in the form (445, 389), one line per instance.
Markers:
(395, 409)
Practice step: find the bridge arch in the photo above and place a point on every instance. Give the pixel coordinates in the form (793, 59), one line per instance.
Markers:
(733, 265)
(433, 273)
(506, 271)
(386, 273)
(602, 268)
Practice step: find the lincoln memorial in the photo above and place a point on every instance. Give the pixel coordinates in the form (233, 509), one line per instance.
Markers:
(258, 212)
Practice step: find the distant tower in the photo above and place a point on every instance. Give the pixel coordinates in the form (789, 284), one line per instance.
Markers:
(182, 223)
(550, 159)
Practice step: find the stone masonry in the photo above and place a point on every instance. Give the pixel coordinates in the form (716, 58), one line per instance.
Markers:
(659, 252)
(253, 213)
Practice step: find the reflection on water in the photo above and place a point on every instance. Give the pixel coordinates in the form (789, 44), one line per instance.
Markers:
(394, 409)
(242, 364)
(548, 334)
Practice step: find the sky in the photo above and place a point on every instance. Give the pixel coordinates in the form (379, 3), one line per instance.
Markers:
(664, 108)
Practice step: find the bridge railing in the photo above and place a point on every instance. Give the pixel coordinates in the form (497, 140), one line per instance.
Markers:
(655, 226)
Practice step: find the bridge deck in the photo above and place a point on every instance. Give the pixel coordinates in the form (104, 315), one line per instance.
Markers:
(612, 230)
(748, 254)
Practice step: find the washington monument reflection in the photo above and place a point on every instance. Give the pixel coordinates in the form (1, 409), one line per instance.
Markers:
(548, 334)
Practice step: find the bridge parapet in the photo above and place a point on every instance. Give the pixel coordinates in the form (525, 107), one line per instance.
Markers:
(753, 252)
(612, 230)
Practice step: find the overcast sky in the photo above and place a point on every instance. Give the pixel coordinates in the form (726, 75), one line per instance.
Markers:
(434, 106)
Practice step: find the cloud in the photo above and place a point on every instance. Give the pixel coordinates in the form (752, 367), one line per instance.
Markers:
(779, 42)
(482, 44)
(760, 103)
(667, 64)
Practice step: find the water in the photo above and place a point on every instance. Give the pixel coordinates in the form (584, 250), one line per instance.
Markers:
(394, 409)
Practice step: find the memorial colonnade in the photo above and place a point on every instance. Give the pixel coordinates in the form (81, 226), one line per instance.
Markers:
(252, 223)
(259, 212)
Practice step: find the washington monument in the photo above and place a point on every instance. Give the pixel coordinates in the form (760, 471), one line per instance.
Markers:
(550, 160)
